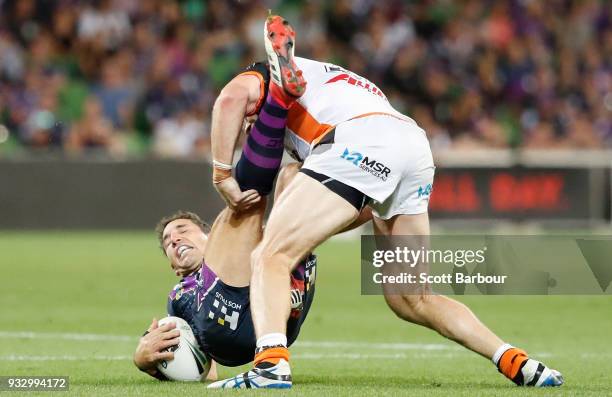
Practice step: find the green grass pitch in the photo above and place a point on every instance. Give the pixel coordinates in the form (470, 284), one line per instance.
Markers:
(66, 288)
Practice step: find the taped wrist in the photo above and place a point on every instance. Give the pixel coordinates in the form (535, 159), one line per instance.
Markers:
(220, 174)
(221, 171)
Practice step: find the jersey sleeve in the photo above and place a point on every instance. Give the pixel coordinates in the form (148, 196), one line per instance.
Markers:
(170, 308)
(259, 70)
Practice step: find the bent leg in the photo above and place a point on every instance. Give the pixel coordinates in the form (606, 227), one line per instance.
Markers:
(447, 316)
(263, 150)
(306, 214)
(285, 176)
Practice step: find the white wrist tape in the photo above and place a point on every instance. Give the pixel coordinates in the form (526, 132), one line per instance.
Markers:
(222, 166)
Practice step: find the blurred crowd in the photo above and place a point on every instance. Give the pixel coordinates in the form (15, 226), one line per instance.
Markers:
(141, 76)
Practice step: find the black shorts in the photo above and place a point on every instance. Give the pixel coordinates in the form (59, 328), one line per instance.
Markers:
(350, 194)
(220, 314)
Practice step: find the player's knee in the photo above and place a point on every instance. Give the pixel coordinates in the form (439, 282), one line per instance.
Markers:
(284, 178)
(265, 256)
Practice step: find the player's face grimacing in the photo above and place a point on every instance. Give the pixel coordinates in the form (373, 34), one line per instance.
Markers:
(184, 243)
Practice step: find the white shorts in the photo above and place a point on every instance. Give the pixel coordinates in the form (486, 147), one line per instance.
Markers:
(386, 158)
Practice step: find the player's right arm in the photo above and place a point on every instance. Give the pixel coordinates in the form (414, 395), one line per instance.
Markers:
(238, 99)
(241, 97)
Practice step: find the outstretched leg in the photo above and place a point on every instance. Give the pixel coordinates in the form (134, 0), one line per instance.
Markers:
(456, 321)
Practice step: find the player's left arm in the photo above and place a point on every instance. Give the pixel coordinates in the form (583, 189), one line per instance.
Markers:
(152, 348)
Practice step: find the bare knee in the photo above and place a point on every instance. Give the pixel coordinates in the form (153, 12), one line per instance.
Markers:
(285, 176)
(270, 257)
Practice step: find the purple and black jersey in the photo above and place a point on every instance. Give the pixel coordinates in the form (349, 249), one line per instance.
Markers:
(263, 73)
(220, 314)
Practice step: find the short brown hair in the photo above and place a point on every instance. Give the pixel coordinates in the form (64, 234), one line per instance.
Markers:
(180, 214)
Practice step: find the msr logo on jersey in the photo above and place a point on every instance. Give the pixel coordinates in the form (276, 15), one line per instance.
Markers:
(372, 166)
(357, 82)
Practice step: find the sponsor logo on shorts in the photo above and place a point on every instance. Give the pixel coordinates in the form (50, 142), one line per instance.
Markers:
(367, 164)
(425, 191)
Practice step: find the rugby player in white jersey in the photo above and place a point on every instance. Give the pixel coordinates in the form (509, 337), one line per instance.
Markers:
(357, 151)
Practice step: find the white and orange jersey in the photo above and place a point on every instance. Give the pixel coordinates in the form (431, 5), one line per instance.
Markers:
(333, 95)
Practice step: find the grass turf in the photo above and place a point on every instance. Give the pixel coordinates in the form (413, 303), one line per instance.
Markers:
(55, 283)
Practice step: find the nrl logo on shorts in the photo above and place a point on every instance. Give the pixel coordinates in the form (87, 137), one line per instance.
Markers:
(372, 166)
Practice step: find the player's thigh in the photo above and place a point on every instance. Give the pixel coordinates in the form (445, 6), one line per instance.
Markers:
(306, 214)
(284, 178)
(403, 225)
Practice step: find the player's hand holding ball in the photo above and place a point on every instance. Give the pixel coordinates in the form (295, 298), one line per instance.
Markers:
(153, 346)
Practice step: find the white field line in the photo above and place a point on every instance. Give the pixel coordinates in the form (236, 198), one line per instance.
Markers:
(366, 356)
(431, 348)
(299, 344)
(66, 336)
(298, 356)
(381, 346)
(304, 356)
(15, 357)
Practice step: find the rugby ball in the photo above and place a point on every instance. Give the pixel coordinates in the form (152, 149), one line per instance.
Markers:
(190, 363)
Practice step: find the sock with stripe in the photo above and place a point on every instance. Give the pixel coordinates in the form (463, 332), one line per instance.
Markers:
(509, 361)
(271, 348)
(263, 151)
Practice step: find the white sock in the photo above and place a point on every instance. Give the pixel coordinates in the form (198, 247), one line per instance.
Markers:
(272, 340)
(500, 351)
